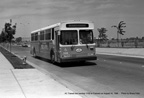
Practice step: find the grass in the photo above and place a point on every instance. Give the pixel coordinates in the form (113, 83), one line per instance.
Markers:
(16, 62)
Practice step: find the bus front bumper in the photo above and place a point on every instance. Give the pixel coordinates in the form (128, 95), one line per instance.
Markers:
(71, 59)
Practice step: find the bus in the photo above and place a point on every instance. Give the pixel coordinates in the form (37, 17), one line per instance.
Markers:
(64, 42)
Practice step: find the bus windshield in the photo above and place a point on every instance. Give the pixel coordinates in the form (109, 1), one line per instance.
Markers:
(69, 37)
(86, 36)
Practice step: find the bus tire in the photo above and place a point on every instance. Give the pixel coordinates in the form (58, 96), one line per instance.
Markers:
(52, 57)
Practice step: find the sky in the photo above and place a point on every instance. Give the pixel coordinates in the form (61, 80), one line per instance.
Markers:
(34, 14)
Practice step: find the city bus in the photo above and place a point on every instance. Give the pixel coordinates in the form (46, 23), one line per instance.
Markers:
(64, 42)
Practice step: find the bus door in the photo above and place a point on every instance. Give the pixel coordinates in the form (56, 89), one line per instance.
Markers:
(57, 44)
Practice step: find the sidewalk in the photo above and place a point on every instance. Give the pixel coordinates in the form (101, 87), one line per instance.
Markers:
(130, 52)
(29, 83)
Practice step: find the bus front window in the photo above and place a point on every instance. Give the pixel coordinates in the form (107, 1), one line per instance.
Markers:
(86, 36)
(69, 37)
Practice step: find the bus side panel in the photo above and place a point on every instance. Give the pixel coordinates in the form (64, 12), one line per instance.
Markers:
(45, 48)
(50, 46)
(35, 45)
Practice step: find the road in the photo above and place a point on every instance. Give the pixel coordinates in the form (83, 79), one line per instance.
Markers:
(108, 77)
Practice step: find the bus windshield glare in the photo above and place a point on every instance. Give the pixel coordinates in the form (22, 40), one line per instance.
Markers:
(69, 37)
(86, 36)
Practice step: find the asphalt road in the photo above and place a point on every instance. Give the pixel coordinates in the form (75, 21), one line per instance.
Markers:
(108, 77)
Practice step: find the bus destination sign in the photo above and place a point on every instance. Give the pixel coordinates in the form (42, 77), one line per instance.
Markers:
(77, 25)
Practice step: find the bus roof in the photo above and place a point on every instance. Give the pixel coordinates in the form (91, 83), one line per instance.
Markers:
(47, 27)
(57, 24)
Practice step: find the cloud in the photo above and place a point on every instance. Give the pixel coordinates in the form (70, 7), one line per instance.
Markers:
(33, 7)
(105, 6)
(12, 8)
(57, 8)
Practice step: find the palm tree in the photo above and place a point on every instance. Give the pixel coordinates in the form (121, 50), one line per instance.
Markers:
(102, 35)
(120, 30)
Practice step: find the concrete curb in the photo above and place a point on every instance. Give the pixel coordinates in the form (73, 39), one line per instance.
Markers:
(137, 53)
(120, 54)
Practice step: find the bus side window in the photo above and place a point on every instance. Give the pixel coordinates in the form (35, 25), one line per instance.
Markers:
(52, 33)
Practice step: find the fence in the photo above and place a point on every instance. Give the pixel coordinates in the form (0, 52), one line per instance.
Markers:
(121, 43)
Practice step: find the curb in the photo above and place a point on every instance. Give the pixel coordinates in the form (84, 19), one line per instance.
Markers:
(121, 54)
